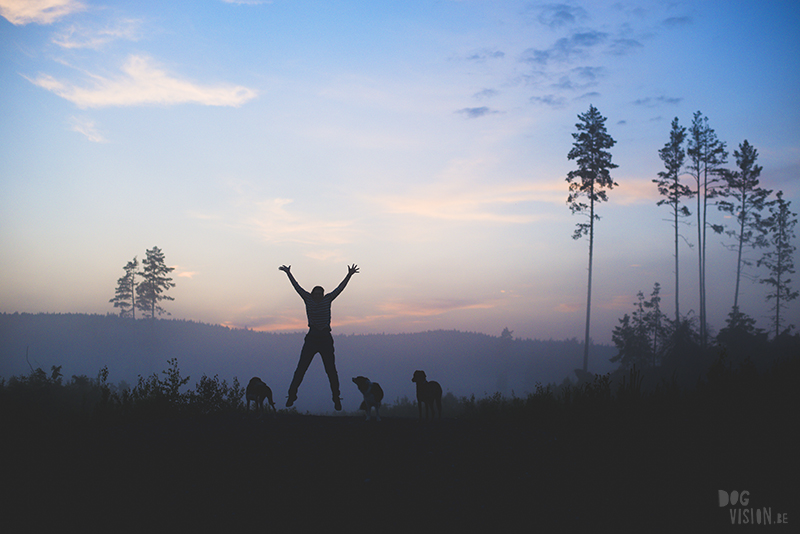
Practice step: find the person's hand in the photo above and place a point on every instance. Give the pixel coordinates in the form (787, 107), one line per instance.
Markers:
(352, 270)
(285, 268)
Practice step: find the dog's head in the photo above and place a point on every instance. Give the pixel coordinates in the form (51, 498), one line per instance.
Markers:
(362, 383)
(419, 376)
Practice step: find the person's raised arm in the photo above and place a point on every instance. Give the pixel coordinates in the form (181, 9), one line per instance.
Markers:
(351, 270)
(288, 270)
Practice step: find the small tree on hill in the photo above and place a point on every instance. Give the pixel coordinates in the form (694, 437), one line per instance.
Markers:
(125, 295)
(154, 283)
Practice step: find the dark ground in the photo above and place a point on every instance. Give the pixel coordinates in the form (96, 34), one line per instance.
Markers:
(640, 471)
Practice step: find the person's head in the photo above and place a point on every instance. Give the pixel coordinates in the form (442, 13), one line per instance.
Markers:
(317, 293)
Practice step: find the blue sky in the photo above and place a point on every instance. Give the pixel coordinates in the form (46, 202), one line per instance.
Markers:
(425, 141)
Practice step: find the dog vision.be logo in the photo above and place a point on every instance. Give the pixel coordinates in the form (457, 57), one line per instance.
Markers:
(741, 513)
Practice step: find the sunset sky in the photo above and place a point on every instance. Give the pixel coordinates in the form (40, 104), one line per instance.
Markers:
(425, 141)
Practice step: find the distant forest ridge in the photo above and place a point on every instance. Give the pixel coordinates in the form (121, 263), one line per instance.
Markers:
(465, 363)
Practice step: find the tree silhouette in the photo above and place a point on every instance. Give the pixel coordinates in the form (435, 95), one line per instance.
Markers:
(669, 186)
(125, 295)
(778, 259)
(638, 334)
(747, 201)
(589, 180)
(154, 283)
(706, 156)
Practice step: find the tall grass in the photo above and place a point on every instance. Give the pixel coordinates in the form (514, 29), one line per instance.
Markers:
(43, 396)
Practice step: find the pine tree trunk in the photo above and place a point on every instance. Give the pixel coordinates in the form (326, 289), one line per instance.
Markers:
(739, 258)
(589, 291)
(703, 266)
(778, 284)
(700, 253)
(677, 310)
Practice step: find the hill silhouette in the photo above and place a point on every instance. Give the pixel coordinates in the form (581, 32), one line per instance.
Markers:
(465, 363)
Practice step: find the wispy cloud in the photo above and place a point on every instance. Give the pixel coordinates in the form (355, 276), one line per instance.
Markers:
(276, 223)
(247, 2)
(673, 22)
(566, 48)
(624, 46)
(558, 15)
(552, 101)
(430, 308)
(88, 128)
(474, 113)
(82, 37)
(486, 93)
(485, 54)
(142, 82)
(651, 102)
(21, 12)
(635, 191)
(458, 202)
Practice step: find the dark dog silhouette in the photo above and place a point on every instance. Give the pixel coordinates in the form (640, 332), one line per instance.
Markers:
(257, 391)
(373, 395)
(427, 393)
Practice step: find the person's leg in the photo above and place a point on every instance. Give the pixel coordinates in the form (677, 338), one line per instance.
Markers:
(306, 355)
(329, 361)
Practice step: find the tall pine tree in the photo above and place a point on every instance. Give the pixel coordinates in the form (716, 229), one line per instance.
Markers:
(746, 202)
(778, 258)
(673, 191)
(589, 183)
(155, 282)
(706, 154)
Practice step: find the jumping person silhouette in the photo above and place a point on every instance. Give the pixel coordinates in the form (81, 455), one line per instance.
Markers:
(319, 338)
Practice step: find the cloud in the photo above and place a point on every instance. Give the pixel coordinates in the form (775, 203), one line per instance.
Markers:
(277, 224)
(483, 55)
(87, 127)
(657, 101)
(432, 307)
(141, 82)
(622, 47)
(673, 22)
(247, 2)
(566, 48)
(21, 12)
(486, 93)
(550, 100)
(474, 113)
(80, 37)
(558, 15)
(589, 73)
(454, 201)
(636, 191)
(586, 74)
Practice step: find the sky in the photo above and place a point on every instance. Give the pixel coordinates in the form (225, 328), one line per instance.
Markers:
(424, 141)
